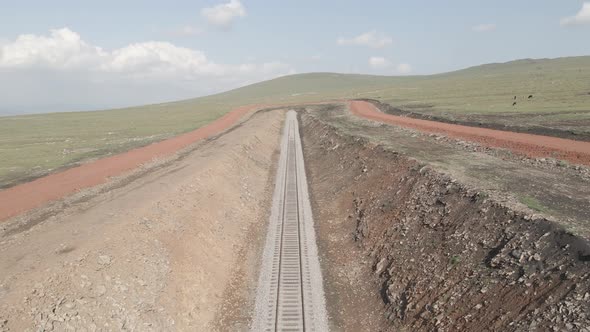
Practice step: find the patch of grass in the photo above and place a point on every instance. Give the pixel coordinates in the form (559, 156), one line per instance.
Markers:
(454, 260)
(533, 204)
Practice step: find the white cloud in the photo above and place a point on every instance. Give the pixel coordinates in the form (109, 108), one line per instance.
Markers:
(377, 62)
(171, 71)
(370, 39)
(157, 58)
(404, 68)
(484, 27)
(62, 49)
(582, 17)
(224, 14)
(65, 50)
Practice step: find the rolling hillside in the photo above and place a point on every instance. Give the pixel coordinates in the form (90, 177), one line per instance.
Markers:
(34, 145)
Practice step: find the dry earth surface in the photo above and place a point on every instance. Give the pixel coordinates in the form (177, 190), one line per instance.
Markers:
(417, 231)
(173, 248)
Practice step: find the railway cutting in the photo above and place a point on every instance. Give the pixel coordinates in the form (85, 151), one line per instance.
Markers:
(290, 294)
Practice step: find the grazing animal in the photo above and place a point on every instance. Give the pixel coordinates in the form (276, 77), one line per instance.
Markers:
(514, 97)
(530, 96)
(514, 104)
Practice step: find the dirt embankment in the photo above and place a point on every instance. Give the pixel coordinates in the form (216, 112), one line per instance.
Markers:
(175, 249)
(532, 129)
(525, 144)
(409, 249)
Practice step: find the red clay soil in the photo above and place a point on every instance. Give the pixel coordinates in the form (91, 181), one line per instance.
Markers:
(23, 197)
(536, 146)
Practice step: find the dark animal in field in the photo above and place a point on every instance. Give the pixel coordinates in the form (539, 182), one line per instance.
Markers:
(514, 97)
(530, 96)
(514, 104)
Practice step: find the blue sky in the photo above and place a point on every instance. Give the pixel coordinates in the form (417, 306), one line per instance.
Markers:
(117, 53)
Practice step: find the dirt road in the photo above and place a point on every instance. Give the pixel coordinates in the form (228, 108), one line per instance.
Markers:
(526, 144)
(175, 249)
(33, 194)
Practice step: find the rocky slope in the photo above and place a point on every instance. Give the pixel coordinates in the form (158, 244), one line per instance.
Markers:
(444, 257)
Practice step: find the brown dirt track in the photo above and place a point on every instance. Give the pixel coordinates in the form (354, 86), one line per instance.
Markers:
(26, 196)
(527, 144)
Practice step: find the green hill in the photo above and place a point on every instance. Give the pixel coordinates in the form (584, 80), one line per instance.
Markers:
(34, 145)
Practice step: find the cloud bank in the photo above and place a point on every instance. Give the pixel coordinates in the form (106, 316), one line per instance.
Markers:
(63, 59)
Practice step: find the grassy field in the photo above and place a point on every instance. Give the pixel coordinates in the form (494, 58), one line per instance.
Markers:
(560, 90)
(34, 145)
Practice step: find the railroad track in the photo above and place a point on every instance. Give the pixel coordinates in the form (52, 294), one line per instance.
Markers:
(290, 294)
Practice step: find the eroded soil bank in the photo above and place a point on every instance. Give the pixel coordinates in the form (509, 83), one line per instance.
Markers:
(405, 248)
(491, 121)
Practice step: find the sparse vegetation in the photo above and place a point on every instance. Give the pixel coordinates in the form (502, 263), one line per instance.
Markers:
(533, 204)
